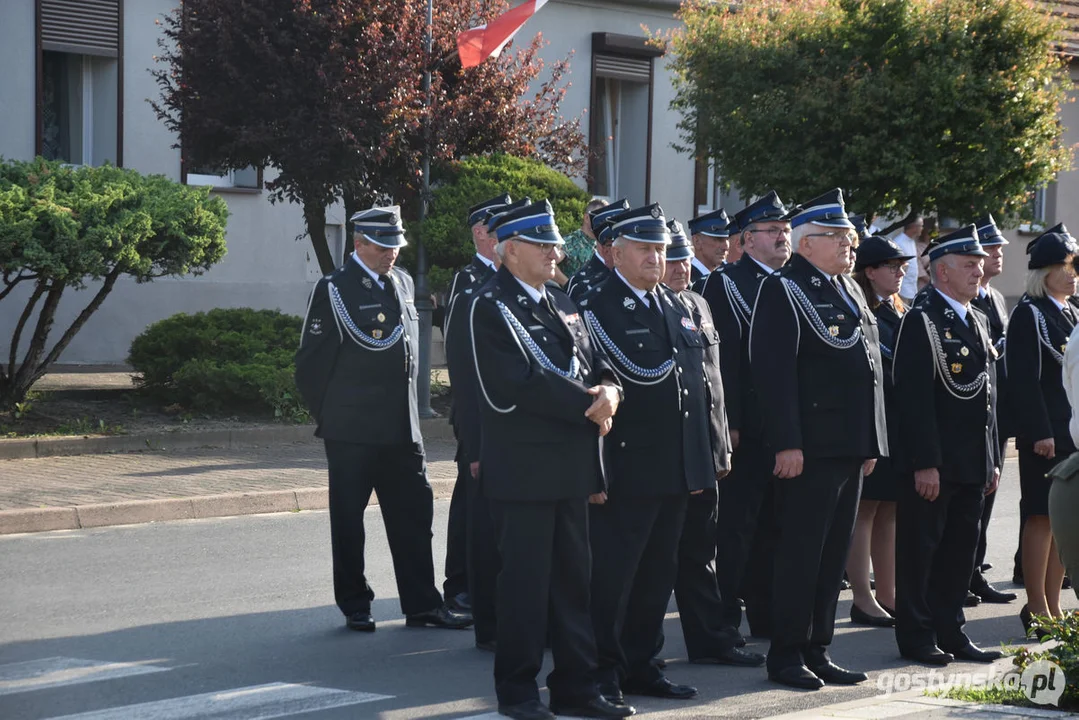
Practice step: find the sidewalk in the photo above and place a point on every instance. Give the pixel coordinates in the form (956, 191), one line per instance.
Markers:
(93, 490)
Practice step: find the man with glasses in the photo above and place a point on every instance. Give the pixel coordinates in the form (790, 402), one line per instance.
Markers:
(547, 395)
(744, 526)
(815, 358)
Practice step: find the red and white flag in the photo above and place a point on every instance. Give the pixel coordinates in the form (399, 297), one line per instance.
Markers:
(486, 41)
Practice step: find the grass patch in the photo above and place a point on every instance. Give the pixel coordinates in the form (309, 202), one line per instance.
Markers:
(996, 695)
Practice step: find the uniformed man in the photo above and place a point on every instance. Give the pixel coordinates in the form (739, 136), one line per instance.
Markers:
(670, 440)
(598, 268)
(992, 305)
(546, 397)
(816, 366)
(711, 240)
(943, 377)
(479, 270)
(745, 527)
(708, 639)
(356, 370)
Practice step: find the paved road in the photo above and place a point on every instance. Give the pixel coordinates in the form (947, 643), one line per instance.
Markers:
(90, 479)
(233, 618)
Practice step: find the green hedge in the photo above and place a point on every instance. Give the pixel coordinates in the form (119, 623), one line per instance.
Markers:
(460, 185)
(224, 361)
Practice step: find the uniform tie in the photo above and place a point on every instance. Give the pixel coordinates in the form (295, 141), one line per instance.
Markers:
(653, 301)
(842, 293)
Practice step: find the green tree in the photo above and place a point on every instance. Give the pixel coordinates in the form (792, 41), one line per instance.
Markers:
(62, 227)
(459, 185)
(940, 105)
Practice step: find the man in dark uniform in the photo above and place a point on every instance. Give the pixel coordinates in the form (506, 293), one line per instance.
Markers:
(745, 528)
(943, 378)
(598, 268)
(670, 440)
(815, 358)
(356, 370)
(709, 640)
(546, 397)
(990, 301)
(711, 238)
(479, 270)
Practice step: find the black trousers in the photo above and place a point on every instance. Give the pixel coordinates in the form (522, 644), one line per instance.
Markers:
(483, 562)
(457, 534)
(745, 535)
(543, 583)
(815, 514)
(935, 546)
(635, 552)
(700, 609)
(398, 473)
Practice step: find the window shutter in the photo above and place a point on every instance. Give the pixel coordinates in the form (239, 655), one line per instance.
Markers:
(83, 27)
(619, 67)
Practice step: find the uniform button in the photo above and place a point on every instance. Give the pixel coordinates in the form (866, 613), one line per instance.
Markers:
(675, 351)
(640, 345)
(544, 338)
(713, 406)
(687, 413)
(622, 444)
(575, 350)
(685, 391)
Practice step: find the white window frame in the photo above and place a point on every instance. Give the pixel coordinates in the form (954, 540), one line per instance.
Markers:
(225, 180)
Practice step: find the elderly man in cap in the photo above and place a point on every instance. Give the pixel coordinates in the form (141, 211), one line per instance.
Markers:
(943, 375)
(547, 395)
(992, 304)
(356, 370)
(700, 609)
(599, 267)
(670, 440)
(711, 239)
(745, 527)
(816, 365)
(479, 270)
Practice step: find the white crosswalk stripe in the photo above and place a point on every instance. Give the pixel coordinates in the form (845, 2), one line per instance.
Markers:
(59, 671)
(256, 702)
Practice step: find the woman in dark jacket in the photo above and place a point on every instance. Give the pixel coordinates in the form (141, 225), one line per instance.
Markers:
(1037, 335)
(879, 270)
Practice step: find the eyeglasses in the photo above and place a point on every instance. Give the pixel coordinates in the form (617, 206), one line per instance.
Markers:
(772, 231)
(833, 235)
(899, 269)
(545, 248)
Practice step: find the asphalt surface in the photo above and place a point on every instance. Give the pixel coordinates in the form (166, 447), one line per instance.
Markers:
(234, 618)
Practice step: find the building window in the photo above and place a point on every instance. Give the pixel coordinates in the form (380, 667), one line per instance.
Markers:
(1037, 211)
(621, 123)
(79, 80)
(215, 177)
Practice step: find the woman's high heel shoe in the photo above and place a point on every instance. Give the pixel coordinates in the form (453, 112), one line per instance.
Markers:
(1027, 619)
(861, 617)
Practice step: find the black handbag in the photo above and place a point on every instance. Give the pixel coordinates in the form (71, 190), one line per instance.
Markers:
(1066, 470)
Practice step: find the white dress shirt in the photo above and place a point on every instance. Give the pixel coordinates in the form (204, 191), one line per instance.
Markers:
(908, 246)
(1070, 376)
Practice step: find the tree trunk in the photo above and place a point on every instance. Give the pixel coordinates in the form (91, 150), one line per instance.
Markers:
(19, 383)
(314, 214)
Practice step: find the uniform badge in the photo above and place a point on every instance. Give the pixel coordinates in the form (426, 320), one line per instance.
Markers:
(841, 316)
(687, 323)
(583, 303)
(948, 334)
(380, 317)
(366, 282)
(833, 330)
(522, 300)
(468, 291)
(964, 351)
(957, 368)
(814, 281)
(376, 334)
(655, 212)
(760, 275)
(488, 294)
(572, 319)
(316, 326)
(950, 314)
(629, 303)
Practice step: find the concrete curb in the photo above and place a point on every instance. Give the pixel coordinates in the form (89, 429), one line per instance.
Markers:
(29, 448)
(206, 506)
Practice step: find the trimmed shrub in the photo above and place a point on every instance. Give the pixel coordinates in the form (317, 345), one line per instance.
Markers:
(224, 361)
(460, 185)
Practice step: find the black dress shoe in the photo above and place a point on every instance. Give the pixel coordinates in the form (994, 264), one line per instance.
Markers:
(597, 707)
(487, 645)
(844, 584)
(440, 617)
(662, 688)
(530, 710)
(360, 621)
(972, 653)
(1017, 576)
(861, 617)
(1066, 583)
(732, 656)
(972, 600)
(985, 567)
(928, 655)
(1027, 619)
(832, 673)
(461, 603)
(612, 693)
(796, 676)
(988, 593)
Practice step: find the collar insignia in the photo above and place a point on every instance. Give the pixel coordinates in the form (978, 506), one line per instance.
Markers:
(583, 303)
(468, 291)
(316, 326)
(629, 303)
(367, 282)
(814, 281)
(760, 275)
(522, 300)
(488, 294)
(950, 314)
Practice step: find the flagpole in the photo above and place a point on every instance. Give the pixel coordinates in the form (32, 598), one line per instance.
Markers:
(423, 294)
